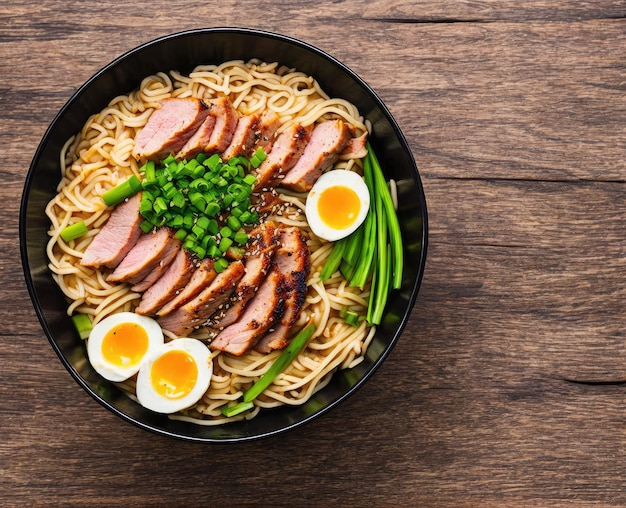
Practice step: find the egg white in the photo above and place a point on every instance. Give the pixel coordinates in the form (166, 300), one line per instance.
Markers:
(151, 399)
(334, 178)
(111, 371)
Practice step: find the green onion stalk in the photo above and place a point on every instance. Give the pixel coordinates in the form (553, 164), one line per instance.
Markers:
(374, 251)
(286, 357)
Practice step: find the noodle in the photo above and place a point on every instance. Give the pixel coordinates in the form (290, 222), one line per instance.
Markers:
(99, 157)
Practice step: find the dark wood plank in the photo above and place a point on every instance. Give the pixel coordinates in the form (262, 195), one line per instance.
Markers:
(481, 11)
(541, 101)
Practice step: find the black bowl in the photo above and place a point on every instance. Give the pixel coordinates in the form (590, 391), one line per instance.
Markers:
(183, 51)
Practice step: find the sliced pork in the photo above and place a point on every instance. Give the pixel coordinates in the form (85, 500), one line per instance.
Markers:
(286, 150)
(169, 284)
(328, 140)
(169, 128)
(266, 130)
(200, 279)
(243, 138)
(257, 262)
(226, 119)
(196, 143)
(194, 313)
(157, 271)
(146, 254)
(261, 312)
(293, 261)
(356, 148)
(117, 237)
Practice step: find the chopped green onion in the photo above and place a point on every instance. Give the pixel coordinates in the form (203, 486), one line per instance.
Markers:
(233, 223)
(213, 162)
(160, 206)
(220, 265)
(234, 252)
(199, 251)
(203, 222)
(241, 237)
(249, 179)
(285, 358)
(349, 316)
(257, 157)
(175, 222)
(213, 227)
(146, 226)
(203, 200)
(212, 209)
(83, 325)
(198, 231)
(122, 191)
(74, 231)
(225, 244)
(149, 171)
(213, 251)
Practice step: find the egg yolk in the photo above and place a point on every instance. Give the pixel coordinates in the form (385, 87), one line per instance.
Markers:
(125, 344)
(338, 206)
(174, 374)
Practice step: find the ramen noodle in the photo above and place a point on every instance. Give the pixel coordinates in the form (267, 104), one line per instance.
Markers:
(99, 157)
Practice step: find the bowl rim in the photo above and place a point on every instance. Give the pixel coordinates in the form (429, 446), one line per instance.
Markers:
(235, 31)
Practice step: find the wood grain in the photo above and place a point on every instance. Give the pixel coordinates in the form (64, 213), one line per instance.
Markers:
(507, 388)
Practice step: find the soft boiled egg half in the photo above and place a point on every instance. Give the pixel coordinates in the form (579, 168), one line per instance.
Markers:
(337, 204)
(118, 345)
(175, 376)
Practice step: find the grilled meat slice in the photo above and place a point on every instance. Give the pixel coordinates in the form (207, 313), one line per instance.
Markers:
(117, 237)
(328, 139)
(264, 136)
(169, 128)
(243, 138)
(285, 151)
(146, 254)
(260, 313)
(356, 148)
(201, 277)
(194, 313)
(196, 143)
(226, 119)
(169, 284)
(257, 262)
(159, 269)
(293, 262)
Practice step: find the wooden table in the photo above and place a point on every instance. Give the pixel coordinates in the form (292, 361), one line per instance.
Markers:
(507, 388)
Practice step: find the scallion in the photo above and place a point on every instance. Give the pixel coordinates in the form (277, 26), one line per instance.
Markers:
(334, 259)
(203, 200)
(74, 231)
(220, 265)
(373, 252)
(83, 325)
(235, 409)
(285, 358)
(146, 226)
(122, 191)
(395, 236)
